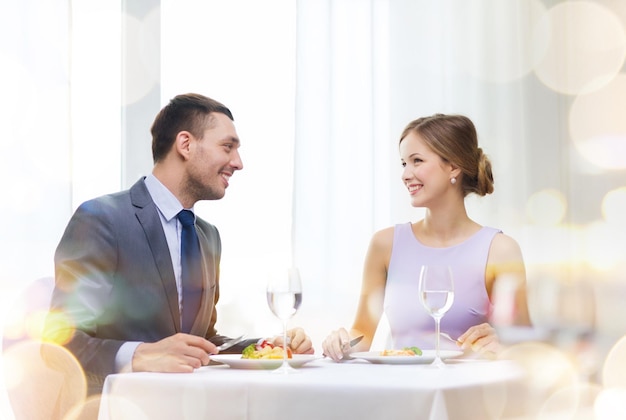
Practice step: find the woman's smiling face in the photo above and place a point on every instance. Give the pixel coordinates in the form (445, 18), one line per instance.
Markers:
(425, 175)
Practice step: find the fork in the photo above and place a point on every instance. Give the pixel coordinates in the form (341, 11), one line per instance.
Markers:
(446, 335)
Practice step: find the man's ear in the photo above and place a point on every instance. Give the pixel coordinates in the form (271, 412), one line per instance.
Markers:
(182, 144)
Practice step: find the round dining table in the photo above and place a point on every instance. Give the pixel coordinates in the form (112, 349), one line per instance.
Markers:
(321, 389)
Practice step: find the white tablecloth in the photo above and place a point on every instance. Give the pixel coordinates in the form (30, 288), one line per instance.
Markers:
(322, 390)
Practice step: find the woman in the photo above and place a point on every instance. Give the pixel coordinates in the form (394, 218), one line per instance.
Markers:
(442, 165)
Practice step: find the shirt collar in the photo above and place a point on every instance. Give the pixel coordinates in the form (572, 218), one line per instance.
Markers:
(166, 202)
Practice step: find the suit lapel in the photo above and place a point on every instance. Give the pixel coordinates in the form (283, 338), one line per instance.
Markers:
(148, 217)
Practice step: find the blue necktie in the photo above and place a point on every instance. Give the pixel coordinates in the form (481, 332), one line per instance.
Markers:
(191, 263)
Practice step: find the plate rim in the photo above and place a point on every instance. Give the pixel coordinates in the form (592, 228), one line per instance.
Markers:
(235, 360)
(375, 357)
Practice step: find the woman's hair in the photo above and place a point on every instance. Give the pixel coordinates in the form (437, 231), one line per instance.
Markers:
(190, 112)
(454, 139)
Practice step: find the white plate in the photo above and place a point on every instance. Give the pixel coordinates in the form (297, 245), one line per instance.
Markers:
(427, 357)
(235, 361)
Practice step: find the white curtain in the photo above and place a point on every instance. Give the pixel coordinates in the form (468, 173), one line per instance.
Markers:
(342, 178)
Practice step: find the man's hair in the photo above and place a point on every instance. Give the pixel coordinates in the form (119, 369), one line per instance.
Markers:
(189, 112)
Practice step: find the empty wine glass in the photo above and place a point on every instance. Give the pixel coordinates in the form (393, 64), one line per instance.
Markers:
(436, 292)
(284, 296)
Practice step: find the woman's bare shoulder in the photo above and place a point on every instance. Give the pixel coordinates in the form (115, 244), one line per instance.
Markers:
(504, 246)
(379, 250)
(505, 255)
(383, 238)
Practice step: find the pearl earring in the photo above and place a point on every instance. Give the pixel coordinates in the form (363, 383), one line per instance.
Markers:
(453, 180)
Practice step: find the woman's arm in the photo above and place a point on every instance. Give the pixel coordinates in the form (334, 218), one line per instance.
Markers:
(370, 306)
(505, 263)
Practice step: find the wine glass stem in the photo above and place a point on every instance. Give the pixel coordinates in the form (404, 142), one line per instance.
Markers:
(285, 345)
(437, 333)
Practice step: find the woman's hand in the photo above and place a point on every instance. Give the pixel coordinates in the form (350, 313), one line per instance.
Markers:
(482, 339)
(337, 344)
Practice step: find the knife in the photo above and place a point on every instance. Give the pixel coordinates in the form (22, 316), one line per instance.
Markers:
(356, 341)
(352, 343)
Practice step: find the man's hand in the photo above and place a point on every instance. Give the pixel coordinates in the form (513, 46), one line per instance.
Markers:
(178, 353)
(298, 341)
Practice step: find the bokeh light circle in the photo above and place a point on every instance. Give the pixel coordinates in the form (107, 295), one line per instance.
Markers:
(614, 207)
(610, 404)
(597, 123)
(614, 369)
(59, 328)
(587, 47)
(605, 246)
(546, 207)
(547, 368)
(575, 401)
(42, 377)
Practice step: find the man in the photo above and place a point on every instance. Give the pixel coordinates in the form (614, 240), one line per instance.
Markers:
(120, 273)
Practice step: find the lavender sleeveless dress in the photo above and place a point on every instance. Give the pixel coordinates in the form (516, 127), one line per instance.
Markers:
(409, 322)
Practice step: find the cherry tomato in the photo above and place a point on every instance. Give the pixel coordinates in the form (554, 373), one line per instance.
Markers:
(263, 344)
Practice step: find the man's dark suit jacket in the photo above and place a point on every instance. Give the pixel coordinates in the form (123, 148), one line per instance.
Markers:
(115, 281)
